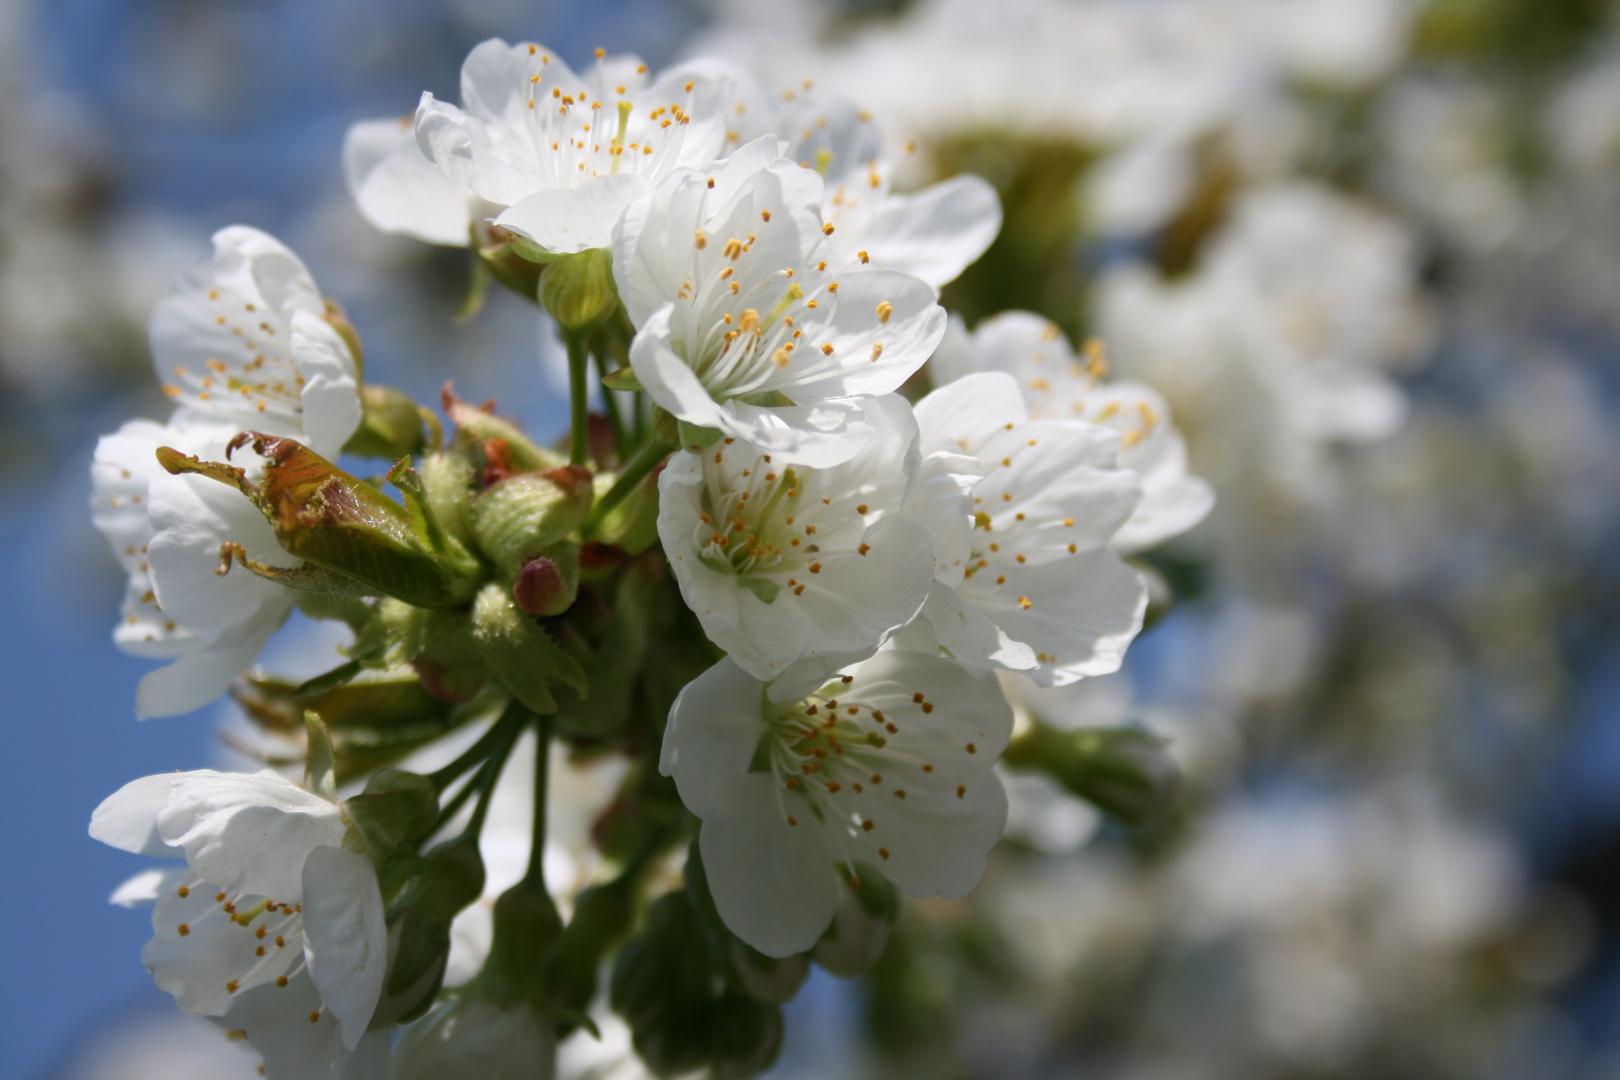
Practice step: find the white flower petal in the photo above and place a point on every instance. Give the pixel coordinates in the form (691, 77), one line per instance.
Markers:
(199, 953)
(147, 886)
(969, 636)
(345, 939)
(773, 883)
(197, 678)
(330, 399)
(276, 1021)
(457, 144)
(962, 416)
(399, 190)
(1077, 614)
(567, 220)
(127, 819)
(249, 833)
(937, 232)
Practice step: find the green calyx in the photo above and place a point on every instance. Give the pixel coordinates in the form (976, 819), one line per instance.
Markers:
(578, 291)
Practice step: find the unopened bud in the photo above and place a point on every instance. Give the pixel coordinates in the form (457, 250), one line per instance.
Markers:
(577, 290)
(539, 589)
(524, 515)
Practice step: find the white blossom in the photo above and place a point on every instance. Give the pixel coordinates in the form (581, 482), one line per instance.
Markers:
(1280, 342)
(399, 190)
(742, 322)
(242, 338)
(1058, 385)
(889, 765)
(1040, 587)
(272, 926)
(563, 152)
(797, 571)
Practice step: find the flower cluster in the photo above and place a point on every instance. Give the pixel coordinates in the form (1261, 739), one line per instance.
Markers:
(780, 584)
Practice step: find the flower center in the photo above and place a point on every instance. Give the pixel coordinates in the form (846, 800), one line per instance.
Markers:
(574, 137)
(253, 940)
(748, 524)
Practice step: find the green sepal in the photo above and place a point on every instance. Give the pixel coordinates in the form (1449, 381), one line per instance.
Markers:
(434, 889)
(578, 291)
(390, 424)
(524, 515)
(691, 435)
(624, 380)
(478, 426)
(520, 653)
(396, 809)
(320, 771)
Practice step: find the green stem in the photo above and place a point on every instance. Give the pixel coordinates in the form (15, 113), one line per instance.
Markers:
(513, 717)
(491, 771)
(610, 405)
(579, 360)
(542, 762)
(635, 471)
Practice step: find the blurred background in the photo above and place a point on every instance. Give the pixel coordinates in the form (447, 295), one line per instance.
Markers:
(1369, 250)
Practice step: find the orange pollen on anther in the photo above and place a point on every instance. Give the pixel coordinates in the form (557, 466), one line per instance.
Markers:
(792, 820)
(184, 929)
(281, 980)
(867, 825)
(883, 851)
(960, 791)
(972, 749)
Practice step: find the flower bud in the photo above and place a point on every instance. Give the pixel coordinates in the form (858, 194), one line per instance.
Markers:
(526, 927)
(577, 290)
(539, 589)
(745, 1038)
(602, 915)
(765, 978)
(526, 514)
(390, 424)
(1123, 771)
(474, 1038)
